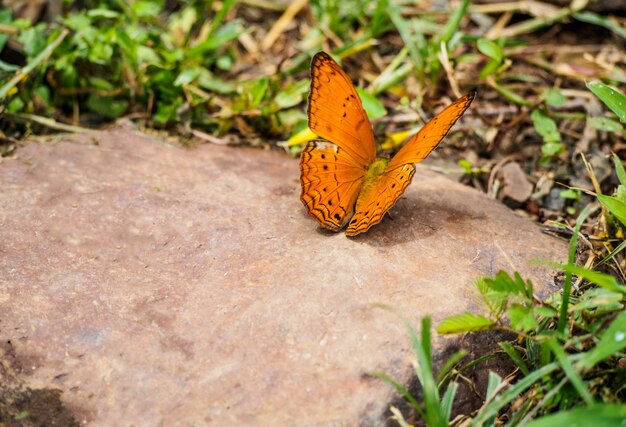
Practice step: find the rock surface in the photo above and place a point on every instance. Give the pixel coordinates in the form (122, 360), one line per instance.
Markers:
(156, 285)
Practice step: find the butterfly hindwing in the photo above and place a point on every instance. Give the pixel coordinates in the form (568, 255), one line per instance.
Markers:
(373, 203)
(330, 184)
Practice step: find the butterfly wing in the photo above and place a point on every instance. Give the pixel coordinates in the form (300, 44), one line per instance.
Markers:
(332, 173)
(336, 113)
(331, 182)
(430, 135)
(373, 203)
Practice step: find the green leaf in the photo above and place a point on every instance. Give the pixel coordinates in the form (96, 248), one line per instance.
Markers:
(522, 318)
(466, 322)
(615, 206)
(146, 9)
(604, 124)
(292, 95)
(102, 13)
(186, 76)
(258, 91)
(553, 97)
(607, 415)
(600, 299)
(77, 22)
(34, 40)
(9, 68)
(545, 126)
(226, 33)
(373, 107)
(570, 194)
(148, 56)
(604, 280)
(5, 18)
(612, 97)
(612, 341)
(490, 49)
(544, 311)
(106, 106)
(550, 149)
(510, 285)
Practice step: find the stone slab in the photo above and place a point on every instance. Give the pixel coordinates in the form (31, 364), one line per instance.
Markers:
(157, 285)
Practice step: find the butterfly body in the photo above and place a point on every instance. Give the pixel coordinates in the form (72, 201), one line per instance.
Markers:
(343, 182)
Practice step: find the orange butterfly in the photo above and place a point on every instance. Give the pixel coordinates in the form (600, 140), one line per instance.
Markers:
(343, 175)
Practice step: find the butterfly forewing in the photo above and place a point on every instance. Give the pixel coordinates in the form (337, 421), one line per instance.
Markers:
(336, 113)
(372, 205)
(431, 134)
(330, 184)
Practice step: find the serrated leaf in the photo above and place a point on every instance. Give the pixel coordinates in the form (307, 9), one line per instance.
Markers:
(512, 285)
(466, 322)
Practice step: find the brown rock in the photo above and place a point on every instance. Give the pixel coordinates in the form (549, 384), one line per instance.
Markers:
(515, 184)
(156, 285)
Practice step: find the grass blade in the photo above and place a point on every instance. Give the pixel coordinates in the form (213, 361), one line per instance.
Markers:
(515, 357)
(570, 371)
(448, 400)
(619, 170)
(567, 285)
(493, 383)
(452, 26)
(615, 206)
(613, 340)
(401, 389)
(28, 68)
(492, 408)
(612, 97)
(610, 415)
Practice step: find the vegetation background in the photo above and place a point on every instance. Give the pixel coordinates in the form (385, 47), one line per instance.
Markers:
(545, 136)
